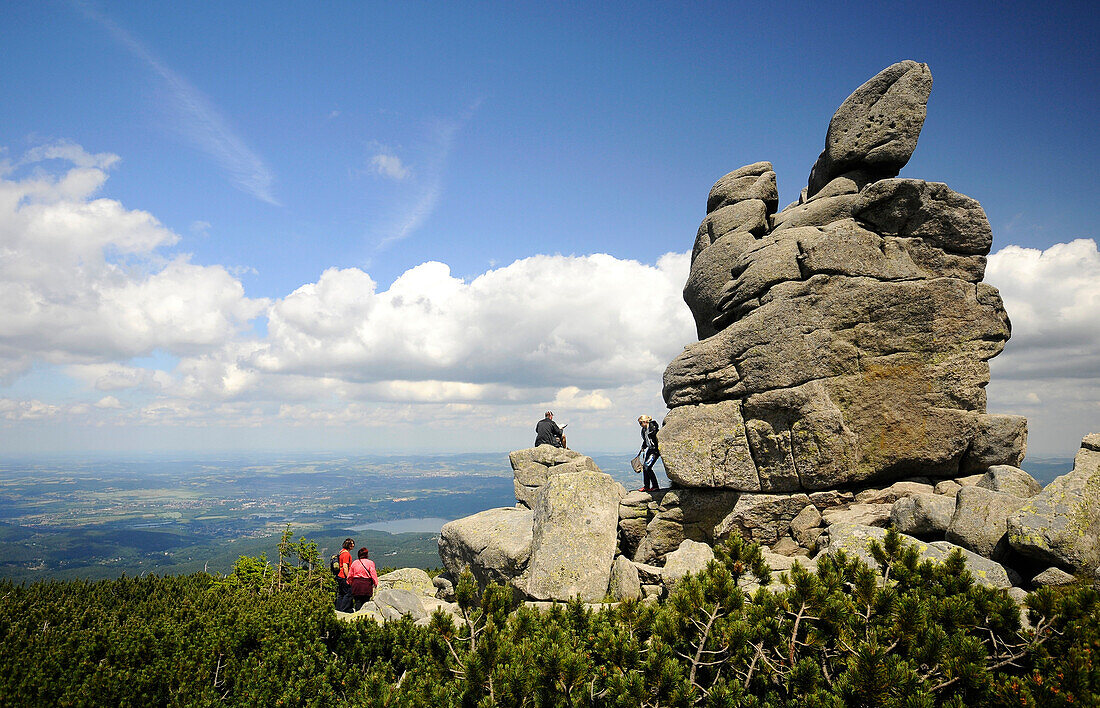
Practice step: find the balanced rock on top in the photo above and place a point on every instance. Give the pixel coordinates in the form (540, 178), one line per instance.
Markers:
(847, 337)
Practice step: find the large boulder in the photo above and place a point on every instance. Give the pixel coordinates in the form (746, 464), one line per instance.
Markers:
(855, 539)
(495, 545)
(1010, 480)
(923, 514)
(876, 128)
(1061, 525)
(849, 343)
(690, 557)
(980, 521)
(576, 518)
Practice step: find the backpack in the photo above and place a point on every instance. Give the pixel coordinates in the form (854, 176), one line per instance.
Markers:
(334, 563)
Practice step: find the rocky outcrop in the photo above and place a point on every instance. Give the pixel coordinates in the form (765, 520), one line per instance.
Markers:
(837, 388)
(844, 339)
(1061, 525)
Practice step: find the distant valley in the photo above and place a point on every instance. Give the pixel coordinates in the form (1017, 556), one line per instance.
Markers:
(92, 519)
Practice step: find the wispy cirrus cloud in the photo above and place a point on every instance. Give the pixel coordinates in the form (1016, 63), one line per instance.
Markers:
(429, 180)
(197, 118)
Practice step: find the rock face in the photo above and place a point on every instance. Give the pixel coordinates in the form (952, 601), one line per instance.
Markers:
(576, 520)
(846, 338)
(1061, 525)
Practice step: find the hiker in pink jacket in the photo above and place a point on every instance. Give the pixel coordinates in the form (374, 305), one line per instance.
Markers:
(363, 578)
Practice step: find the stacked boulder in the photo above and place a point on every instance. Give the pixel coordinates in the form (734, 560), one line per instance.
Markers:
(844, 340)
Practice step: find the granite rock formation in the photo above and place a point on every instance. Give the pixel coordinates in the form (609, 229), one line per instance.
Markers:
(837, 390)
(846, 338)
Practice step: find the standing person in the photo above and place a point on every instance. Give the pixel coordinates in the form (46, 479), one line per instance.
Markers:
(547, 432)
(649, 453)
(363, 578)
(343, 590)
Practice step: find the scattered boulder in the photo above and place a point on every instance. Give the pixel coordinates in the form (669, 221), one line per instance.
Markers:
(923, 514)
(787, 546)
(690, 557)
(444, 587)
(1052, 576)
(625, 583)
(762, 517)
(1061, 525)
(1010, 480)
(948, 488)
(782, 564)
(414, 580)
(393, 603)
(494, 544)
(980, 521)
(830, 498)
(576, 519)
(804, 524)
(684, 513)
(891, 494)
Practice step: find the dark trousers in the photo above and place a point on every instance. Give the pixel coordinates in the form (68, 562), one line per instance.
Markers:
(649, 479)
(343, 595)
(361, 600)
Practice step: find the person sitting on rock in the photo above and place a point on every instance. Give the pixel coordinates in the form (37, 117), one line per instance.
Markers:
(547, 432)
(649, 453)
(362, 578)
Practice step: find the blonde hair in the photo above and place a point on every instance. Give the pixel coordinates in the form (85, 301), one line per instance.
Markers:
(644, 419)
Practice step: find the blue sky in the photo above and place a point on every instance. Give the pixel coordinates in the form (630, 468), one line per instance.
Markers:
(273, 142)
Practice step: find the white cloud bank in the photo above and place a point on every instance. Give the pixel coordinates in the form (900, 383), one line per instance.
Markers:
(1050, 369)
(92, 287)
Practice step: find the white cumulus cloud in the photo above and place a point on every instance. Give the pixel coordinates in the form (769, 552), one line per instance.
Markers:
(83, 279)
(1050, 369)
